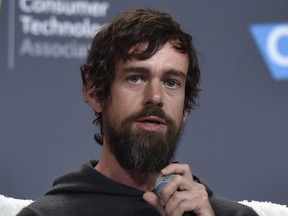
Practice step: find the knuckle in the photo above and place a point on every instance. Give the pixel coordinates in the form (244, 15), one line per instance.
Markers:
(177, 195)
(186, 167)
(203, 199)
(202, 188)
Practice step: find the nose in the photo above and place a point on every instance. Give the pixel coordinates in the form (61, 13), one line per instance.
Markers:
(154, 94)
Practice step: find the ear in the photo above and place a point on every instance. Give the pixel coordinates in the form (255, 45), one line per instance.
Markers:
(89, 92)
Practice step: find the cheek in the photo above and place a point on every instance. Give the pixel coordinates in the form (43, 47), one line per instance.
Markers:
(176, 113)
(120, 108)
(181, 118)
(179, 110)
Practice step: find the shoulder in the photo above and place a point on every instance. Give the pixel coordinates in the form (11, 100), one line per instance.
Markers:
(27, 212)
(46, 205)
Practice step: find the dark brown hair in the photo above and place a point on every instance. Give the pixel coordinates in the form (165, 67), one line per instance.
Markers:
(114, 42)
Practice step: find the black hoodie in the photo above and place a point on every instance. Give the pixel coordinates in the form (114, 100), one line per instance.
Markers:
(86, 192)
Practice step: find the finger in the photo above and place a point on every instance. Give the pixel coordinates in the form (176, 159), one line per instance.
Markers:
(154, 201)
(177, 183)
(185, 201)
(197, 206)
(175, 168)
(174, 202)
(181, 208)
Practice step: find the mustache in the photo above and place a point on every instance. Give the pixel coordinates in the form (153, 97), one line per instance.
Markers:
(149, 110)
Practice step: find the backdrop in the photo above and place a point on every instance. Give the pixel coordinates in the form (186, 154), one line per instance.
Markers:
(236, 140)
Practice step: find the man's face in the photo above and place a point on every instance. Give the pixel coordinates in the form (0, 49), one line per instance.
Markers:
(144, 114)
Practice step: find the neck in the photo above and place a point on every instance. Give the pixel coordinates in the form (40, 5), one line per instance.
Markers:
(109, 166)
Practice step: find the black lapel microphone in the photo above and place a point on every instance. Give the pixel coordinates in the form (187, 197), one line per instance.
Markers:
(161, 182)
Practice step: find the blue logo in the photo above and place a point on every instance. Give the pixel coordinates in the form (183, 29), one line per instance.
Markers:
(272, 41)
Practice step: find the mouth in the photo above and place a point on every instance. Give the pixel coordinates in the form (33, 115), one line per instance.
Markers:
(151, 120)
(151, 123)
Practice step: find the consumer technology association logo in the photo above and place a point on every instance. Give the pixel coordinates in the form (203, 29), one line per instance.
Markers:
(272, 41)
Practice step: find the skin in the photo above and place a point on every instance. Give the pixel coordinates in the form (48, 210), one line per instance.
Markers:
(159, 80)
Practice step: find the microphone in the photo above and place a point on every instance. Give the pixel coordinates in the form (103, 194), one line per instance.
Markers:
(161, 182)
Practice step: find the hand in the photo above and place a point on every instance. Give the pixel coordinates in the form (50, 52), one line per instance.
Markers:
(182, 194)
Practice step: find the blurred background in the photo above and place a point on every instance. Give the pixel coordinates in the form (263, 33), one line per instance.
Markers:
(236, 140)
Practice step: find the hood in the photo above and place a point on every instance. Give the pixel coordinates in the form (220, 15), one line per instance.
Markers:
(87, 180)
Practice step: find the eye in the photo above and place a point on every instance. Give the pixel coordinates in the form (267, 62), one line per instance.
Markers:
(172, 84)
(135, 79)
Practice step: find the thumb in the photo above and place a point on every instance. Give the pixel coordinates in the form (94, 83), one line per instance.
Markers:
(154, 201)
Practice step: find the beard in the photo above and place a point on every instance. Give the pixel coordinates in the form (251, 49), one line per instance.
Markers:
(140, 150)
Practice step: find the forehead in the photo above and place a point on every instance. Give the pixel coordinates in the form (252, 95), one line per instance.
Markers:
(167, 58)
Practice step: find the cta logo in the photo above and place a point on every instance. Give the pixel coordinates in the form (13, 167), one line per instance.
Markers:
(272, 41)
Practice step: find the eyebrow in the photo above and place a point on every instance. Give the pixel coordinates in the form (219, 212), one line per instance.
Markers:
(176, 73)
(135, 69)
(143, 70)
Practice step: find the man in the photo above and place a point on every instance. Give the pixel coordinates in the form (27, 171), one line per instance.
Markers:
(141, 78)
